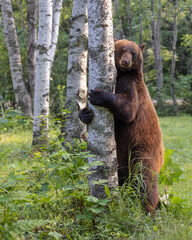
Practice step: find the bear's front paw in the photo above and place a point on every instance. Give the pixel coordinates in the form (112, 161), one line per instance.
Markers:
(100, 98)
(86, 115)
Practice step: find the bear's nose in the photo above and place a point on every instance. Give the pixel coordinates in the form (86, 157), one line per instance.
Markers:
(125, 61)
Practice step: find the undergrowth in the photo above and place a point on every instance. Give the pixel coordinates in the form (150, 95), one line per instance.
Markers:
(44, 192)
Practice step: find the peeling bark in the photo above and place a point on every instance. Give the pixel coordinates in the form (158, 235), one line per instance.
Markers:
(77, 71)
(43, 69)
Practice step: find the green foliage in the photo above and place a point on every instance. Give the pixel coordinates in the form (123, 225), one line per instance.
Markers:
(13, 118)
(44, 192)
(170, 171)
(12, 230)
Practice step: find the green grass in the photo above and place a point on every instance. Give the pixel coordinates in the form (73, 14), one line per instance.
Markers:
(177, 135)
(43, 192)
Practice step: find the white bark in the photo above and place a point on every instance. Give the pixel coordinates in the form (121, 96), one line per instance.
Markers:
(77, 70)
(42, 78)
(22, 96)
(101, 140)
(32, 44)
(57, 6)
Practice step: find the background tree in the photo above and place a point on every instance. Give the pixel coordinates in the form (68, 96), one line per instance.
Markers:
(48, 31)
(59, 70)
(22, 97)
(57, 6)
(101, 141)
(76, 96)
(119, 34)
(32, 44)
(174, 56)
(129, 18)
(43, 71)
(156, 43)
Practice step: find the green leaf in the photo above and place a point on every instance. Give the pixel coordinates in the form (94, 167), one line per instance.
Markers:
(22, 121)
(167, 180)
(96, 163)
(107, 191)
(92, 199)
(82, 186)
(13, 113)
(4, 121)
(177, 200)
(65, 155)
(155, 228)
(81, 217)
(68, 187)
(45, 187)
(100, 182)
(103, 202)
(56, 235)
(95, 210)
(167, 158)
(176, 172)
(85, 166)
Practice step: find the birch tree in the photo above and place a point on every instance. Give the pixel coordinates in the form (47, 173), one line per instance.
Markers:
(174, 56)
(48, 31)
(43, 70)
(22, 97)
(77, 70)
(101, 141)
(32, 44)
(57, 6)
(156, 44)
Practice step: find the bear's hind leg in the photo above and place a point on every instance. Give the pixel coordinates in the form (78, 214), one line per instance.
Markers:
(150, 191)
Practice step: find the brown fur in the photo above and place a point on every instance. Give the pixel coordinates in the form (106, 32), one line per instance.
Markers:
(137, 131)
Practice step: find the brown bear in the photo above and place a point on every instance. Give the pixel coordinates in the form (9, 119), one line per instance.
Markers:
(137, 131)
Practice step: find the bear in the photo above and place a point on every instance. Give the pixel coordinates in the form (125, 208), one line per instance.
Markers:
(137, 130)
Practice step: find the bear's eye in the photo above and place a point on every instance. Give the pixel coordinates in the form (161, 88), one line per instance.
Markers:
(133, 54)
(121, 52)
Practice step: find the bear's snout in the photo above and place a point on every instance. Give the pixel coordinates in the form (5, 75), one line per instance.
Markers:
(126, 61)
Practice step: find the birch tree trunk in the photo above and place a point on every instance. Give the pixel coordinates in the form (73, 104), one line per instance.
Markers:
(101, 141)
(119, 34)
(155, 27)
(77, 71)
(42, 78)
(174, 56)
(22, 97)
(57, 6)
(32, 44)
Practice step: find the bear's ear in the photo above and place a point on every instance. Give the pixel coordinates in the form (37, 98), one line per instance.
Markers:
(142, 47)
(115, 40)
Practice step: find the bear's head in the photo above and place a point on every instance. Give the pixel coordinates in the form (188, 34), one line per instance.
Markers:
(128, 55)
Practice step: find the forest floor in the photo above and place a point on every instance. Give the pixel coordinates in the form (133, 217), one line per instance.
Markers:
(44, 192)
